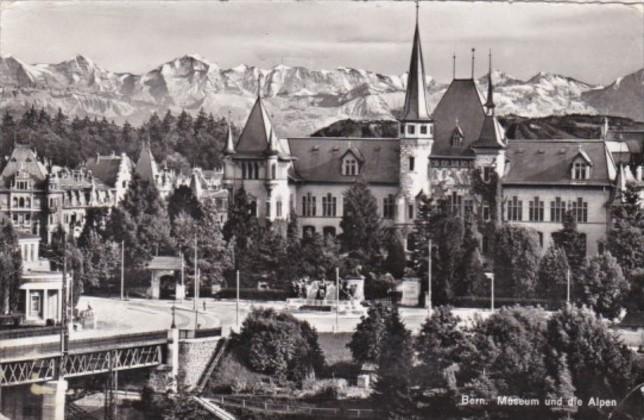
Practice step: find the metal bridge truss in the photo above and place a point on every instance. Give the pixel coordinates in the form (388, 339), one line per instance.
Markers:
(79, 364)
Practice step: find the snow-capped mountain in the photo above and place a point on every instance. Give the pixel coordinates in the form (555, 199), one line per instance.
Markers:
(301, 100)
(625, 96)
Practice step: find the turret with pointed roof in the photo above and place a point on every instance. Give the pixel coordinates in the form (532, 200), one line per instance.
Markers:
(230, 144)
(416, 95)
(489, 104)
(492, 134)
(146, 166)
(258, 136)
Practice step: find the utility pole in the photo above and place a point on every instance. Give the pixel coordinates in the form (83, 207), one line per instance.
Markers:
(64, 330)
(337, 298)
(429, 277)
(183, 284)
(568, 286)
(196, 299)
(122, 270)
(237, 300)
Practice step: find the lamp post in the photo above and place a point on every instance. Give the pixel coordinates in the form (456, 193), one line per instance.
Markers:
(122, 270)
(490, 275)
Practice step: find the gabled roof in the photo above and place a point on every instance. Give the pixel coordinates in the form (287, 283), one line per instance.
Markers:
(461, 102)
(319, 159)
(416, 94)
(258, 134)
(146, 166)
(547, 162)
(24, 159)
(106, 168)
(355, 152)
(582, 154)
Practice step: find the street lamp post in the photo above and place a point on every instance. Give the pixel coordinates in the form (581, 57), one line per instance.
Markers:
(490, 275)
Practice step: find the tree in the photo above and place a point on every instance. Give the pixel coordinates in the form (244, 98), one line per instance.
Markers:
(63, 249)
(366, 341)
(552, 274)
(572, 242)
(396, 260)
(440, 344)
(435, 222)
(10, 269)
(183, 199)
(360, 224)
(242, 222)
(516, 261)
(142, 223)
(470, 278)
(279, 345)
(599, 364)
(101, 262)
(601, 285)
(215, 256)
(393, 389)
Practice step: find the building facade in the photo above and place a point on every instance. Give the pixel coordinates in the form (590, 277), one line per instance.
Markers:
(37, 198)
(435, 154)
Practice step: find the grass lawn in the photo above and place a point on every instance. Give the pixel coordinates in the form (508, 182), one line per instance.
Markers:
(334, 347)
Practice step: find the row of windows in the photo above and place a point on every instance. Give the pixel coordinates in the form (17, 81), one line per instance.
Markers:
(330, 206)
(250, 170)
(411, 128)
(558, 208)
(22, 202)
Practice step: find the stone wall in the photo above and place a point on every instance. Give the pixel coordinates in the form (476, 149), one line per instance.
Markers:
(194, 355)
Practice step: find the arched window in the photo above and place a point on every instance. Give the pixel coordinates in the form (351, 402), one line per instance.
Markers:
(350, 166)
(21, 202)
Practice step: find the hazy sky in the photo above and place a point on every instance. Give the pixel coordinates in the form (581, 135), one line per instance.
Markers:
(596, 43)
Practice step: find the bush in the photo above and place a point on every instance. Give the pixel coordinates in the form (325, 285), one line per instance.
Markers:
(279, 345)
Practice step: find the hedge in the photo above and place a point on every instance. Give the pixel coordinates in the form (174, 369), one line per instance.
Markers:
(253, 294)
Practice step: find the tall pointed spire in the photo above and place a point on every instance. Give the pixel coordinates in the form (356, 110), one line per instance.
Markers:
(230, 144)
(454, 66)
(259, 85)
(416, 95)
(489, 104)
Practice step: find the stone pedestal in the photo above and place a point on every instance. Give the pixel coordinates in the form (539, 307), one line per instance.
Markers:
(53, 399)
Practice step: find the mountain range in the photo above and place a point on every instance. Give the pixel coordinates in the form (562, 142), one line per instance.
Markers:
(300, 100)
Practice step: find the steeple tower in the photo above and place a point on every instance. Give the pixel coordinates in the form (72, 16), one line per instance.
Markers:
(489, 104)
(230, 144)
(416, 135)
(415, 97)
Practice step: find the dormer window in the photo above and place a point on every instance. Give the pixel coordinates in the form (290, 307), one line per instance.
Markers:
(350, 167)
(411, 129)
(423, 129)
(580, 170)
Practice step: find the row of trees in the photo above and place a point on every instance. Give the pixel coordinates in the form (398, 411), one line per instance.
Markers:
(515, 352)
(181, 141)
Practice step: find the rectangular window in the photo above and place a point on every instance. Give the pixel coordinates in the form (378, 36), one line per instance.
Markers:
(412, 163)
(455, 202)
(410, 211)
(308, 205)
(540, 239)
(423, 129)
(329, 206)
(268, 209)
(388, 207)
(535, 211)
(411, 129)
(579, 210)
(468, 206)
(515, 209)
(557, 210)
(35, 304)
(278, 209)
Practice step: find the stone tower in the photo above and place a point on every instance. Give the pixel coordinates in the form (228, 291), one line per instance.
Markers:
(416, 136)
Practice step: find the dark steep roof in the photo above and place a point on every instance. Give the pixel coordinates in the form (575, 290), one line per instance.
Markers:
(24, 159)
(319, 159)
(460, 106)
(106, 168)
(548, 162)
(416, 95)
(492, 135)
(258, 135)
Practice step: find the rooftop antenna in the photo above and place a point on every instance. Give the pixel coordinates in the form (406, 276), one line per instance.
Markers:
(489, 103)
(454, 66)
(417, 9)
(259, 85)
(473, 58)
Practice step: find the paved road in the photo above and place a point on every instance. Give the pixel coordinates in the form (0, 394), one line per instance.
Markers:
(145, 315)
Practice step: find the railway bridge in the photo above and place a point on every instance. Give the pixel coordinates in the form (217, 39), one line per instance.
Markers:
(42, 359)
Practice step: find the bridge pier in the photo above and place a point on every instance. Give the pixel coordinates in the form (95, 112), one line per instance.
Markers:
(35, 402)
(53, 399)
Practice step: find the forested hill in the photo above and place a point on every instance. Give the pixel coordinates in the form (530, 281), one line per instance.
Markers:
(180, 141)
(551, 127)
